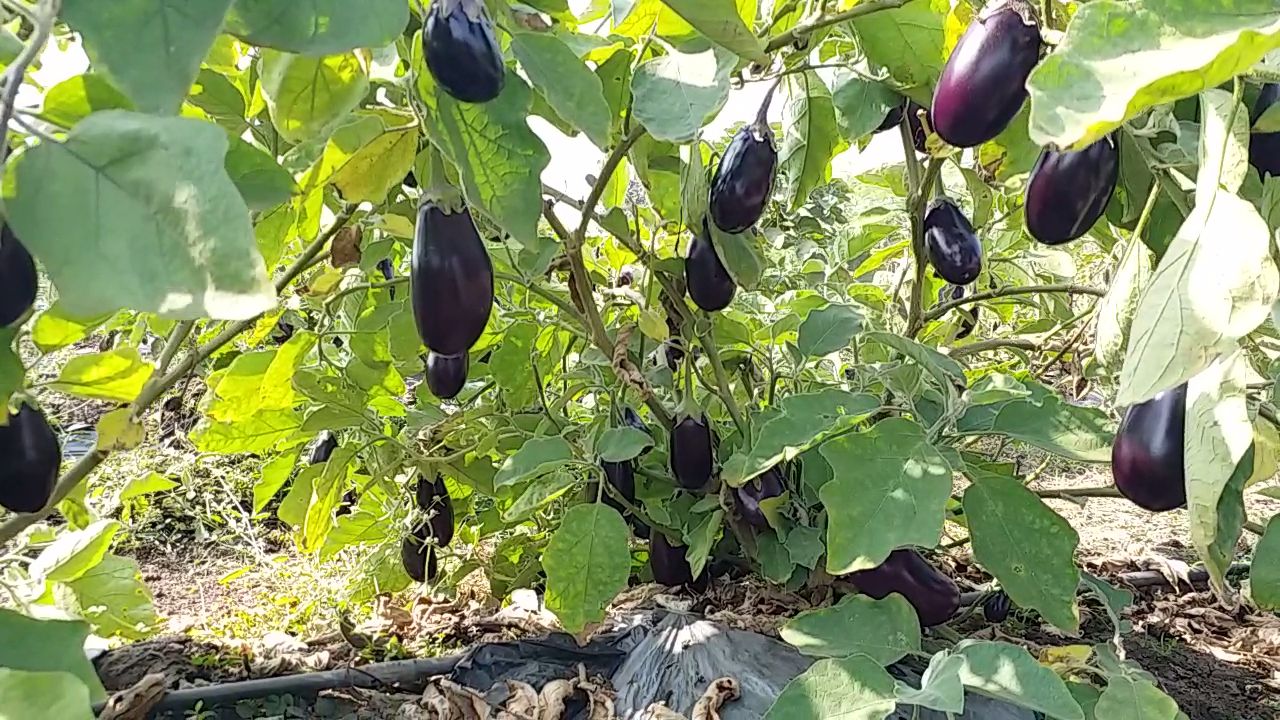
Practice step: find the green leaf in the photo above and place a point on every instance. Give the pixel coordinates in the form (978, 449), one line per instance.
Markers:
(1008, 672)
(261, 181)
(740, 253)
(622, 443)
(1044, 420)
(48, 646)
(1039, 575)
(890, 489)
(151, 48)
(568, 84)
(76, 98)
(540, 491)
(1172, 49)
(940, 686)
(258, 381)
(675, 94)
(44, 696)
(54, 329)
(852, 688)
(775, 560)
(510, 363)
(368, 170)
(308, 96)
(257, 434)
(587, 564)
(131, 178)
(318, 27)
(884, 630)
(810, 135)
(274, 475)
(12, 374)
(143, 485)
(1224, 145)
(719, 21)
(115, 375)
(1117, 308)
(658, 166)
(1264, 571)
(75, 552)
(701, 539)
(499, 159)
(1134, 699)
(945, 371)
(861, 104)
(907, 42)
(114, 599)
(537, 456)
(829, 329)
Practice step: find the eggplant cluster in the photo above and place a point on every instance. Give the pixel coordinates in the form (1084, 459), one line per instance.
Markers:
(670, 566)
(31, 457)
(768, 485)
(1264, 148)
(418, 549)
(18, 279)
(693, 455)
(1068, 191)
(935, 597)
(710, 286)
(950, 242)
(1147, 457)
(451, 281)
(743, 179)
(462, 52)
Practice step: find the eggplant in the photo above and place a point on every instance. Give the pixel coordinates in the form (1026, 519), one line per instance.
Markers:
(447, 374)
(1146, 457)
(744, 178)
(1264, 148)
(935, 596)
(622, 476)
(433, 497)
(31, 458)
(18, 279)
(451, 280)
(632, 419)
(692, 452)
(770, 484)
(323, 450)
(1068, 191)
(996, 608)
(410, 180)
(388, 273)
(983, 83)
(953, 248)
(673, 353)
(462, 51)
(918, 136)
(669, 565)
(968, 315)
(892, 118)
(418, 555)
(710, 286)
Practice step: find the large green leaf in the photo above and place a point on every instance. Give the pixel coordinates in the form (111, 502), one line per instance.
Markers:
(76, 98)
(537, 456)
(75, 552)
(1118, 306)
(54, 329)
(257, 434)
(739, 252)
(851, 688)
(309, 95)
(810, 135)
(500, 160)
(940, 687)
(511, 364)
(1026, 545)
(890, 489)
(587, 564)
(1008, 672)
(130, 179)
(318, 27)
(675, 94)
(1135, 699)
(261, 181)
(828, 329)
(568, 84)
(1046, 421)
(43, 696)
(861, 104)
(885, 630)
(112, 596)
(622, 443)
(907, 42)
(48, 646)
(1264, 571)
(719, 21)
(12, 374)
(114, 375)
(1168, 49)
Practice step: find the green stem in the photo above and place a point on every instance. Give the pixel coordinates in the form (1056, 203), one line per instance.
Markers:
(708, 342)
(943, 308)
(860, 10)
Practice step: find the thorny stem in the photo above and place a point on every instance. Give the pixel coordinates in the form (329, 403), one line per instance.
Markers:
(946, 307)
(783, 39)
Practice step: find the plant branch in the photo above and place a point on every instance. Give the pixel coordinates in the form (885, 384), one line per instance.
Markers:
(783, 39)
(917, 195)
(707, 339)
(1106, 491)
(13, 75)
(946, 307)
(995, 344)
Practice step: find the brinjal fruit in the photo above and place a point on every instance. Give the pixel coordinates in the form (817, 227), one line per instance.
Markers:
(29, 461)
(461, 50)
(1068, 191)
(968, 314)
(18, 279)
(918, 136)
(935, 596)
(669, 565)
(983, 83)
(451, 280)
(692, 452)
(996, 608)
(1146, 458)
(622, 476)
(417, 554)
(323, 449)
(446, 374)
(770, 484)
(1264, 148)
(953, 248)
(710, 285)
(744, 178)
(433, 497)
(892, 118)
(388, 273)
(632, 419)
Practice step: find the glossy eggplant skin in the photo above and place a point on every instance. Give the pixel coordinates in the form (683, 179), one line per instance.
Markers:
(451, 279)
(769, 484)
(31, 458)
(744, 178)
(462, 51)
(983, 83)
(953, 248)
(323, 450)
(996, 608)
(1147, 458)
(935, 596)
(388, 273)
(710, 286)
(18, 279)
(622, 476)
(433, 497)
(1264, 148)
(918, 136)
(417, 555)
(447, 374)
(692, 452)
(892, 118)
(633, 420)
(1069, 191)
(669, 565)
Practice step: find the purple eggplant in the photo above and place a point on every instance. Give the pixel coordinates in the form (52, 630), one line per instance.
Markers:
(935, 596)
(1264, 148)
(461, 50)
(892, 118)
(1068, 191)
(418, 554)
(768, 485)
(18, 279)
(323, 449)
(918, 136)
(31, 458)
(669, 565)
(451, 280)
(692, 452)
(433, 497)
(996, 607)
(710, 285)
(744, 178)
(1147, 457)
(953, 248)
(447, 374)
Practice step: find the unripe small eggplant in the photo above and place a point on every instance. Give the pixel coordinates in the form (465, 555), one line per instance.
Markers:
(418, 555)
(462, 51)
(447, 374)
(692, 452)
(433, 497)
(18, 279)
(29, 460)
(983, 83)
(1147, 457)
(935, 597)
(770, 484)
(1069, 191)
(323, 449)
(622, 476)
(744, 178)
(1264, 148)
(968, 314)
(710, 286)
(451, 280)
(892, 118)
(388, 273)
(996, 608)
(918, 136)
(953, 248)
(669, 565)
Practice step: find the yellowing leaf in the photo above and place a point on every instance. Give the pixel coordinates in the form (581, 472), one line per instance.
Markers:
(115, 375)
